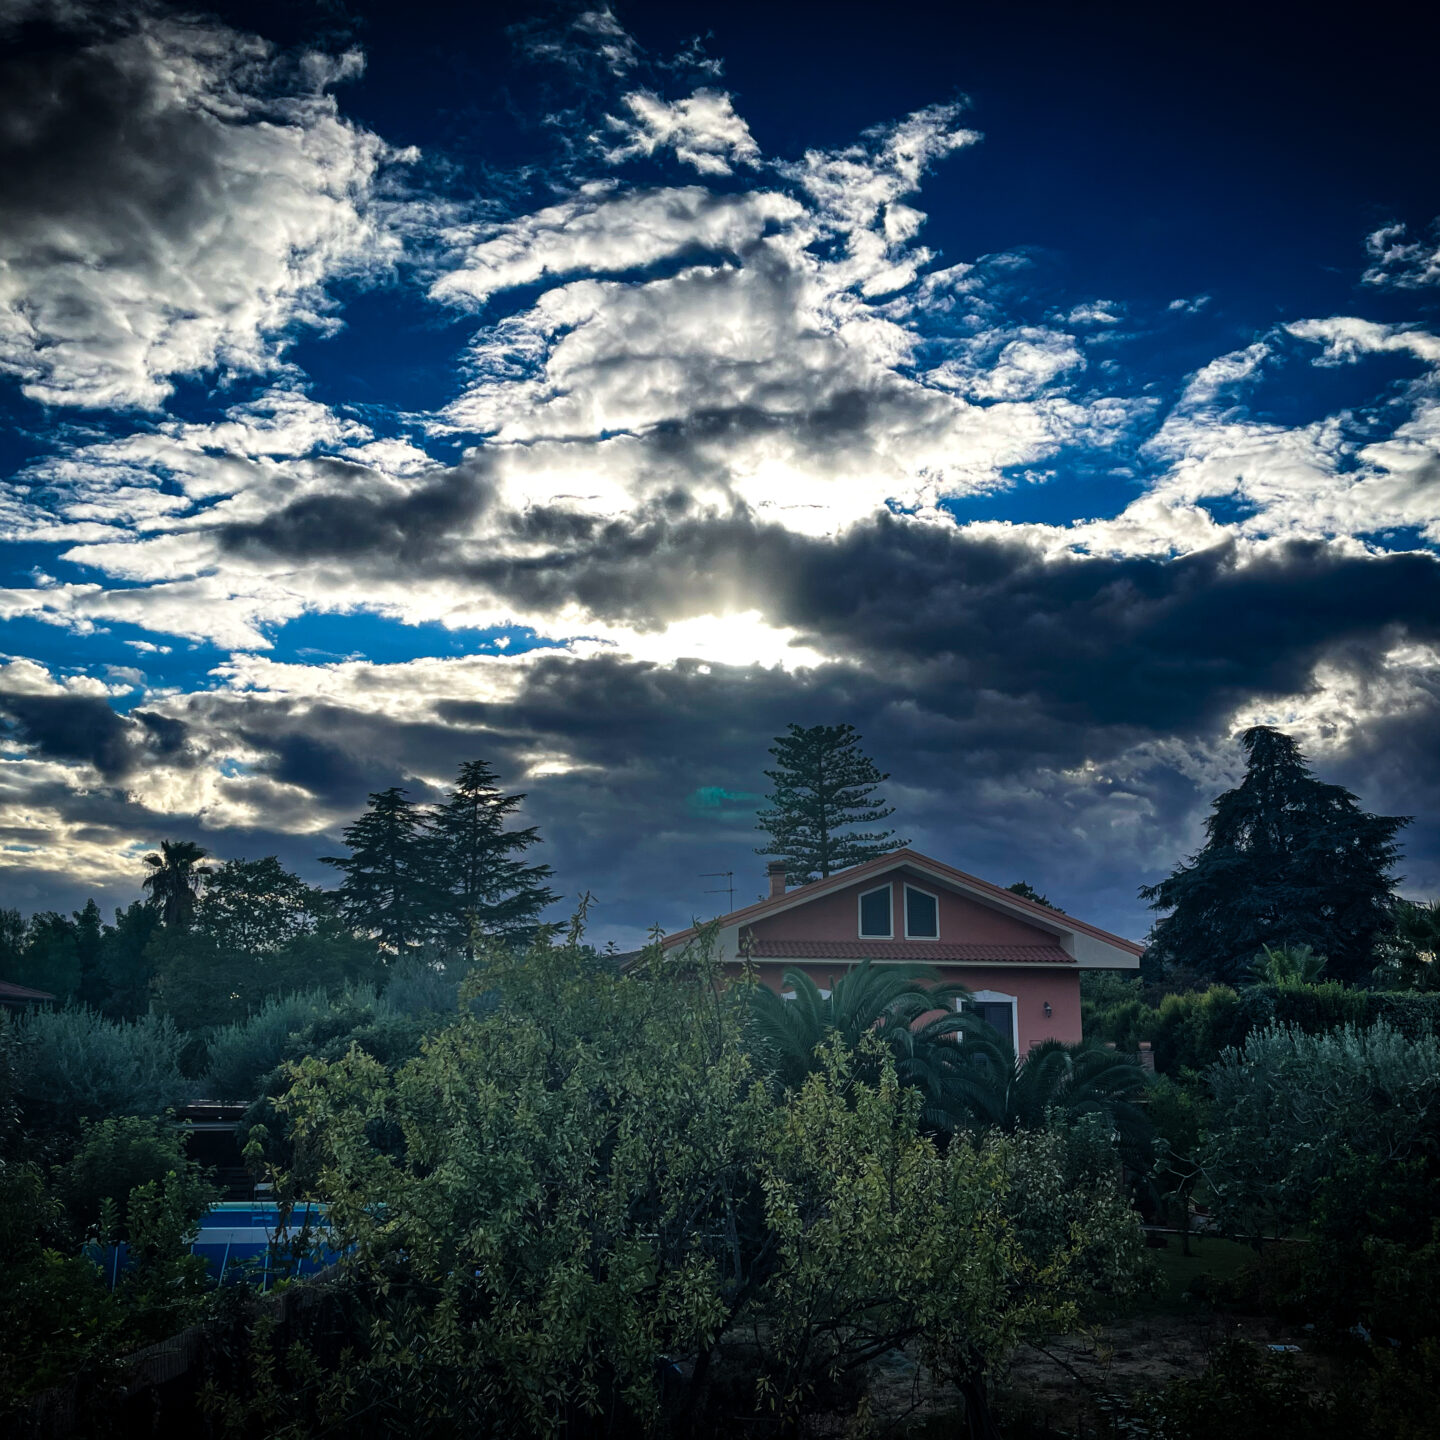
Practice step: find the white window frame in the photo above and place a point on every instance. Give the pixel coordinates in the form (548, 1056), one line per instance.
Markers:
(935, 898)
(998, 997)
(790, 994)
(860, 912)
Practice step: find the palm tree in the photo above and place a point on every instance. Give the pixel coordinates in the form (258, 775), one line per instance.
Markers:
(1408, 954)
(1286, 965)
(174, 881)
(988, 1086)
(890, 999)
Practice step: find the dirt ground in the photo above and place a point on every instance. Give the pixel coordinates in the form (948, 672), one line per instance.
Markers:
(1051, 1388)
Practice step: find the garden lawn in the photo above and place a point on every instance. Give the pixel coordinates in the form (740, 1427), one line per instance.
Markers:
(1210, 1257)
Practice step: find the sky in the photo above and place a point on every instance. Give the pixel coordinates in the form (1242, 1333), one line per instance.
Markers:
(1049, 392)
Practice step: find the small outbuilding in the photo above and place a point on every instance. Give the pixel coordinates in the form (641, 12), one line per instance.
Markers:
(22, 997)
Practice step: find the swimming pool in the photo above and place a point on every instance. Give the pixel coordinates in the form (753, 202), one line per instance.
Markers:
(244, 1241)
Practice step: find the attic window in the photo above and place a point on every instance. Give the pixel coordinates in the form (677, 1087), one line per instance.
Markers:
(922, 915)
(875, 914)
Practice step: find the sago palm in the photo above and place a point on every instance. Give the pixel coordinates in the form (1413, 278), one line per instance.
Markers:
(890, 999)
(989, 1087)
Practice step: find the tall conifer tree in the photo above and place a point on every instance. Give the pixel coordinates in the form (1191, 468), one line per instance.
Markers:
(388, 890)
(824, 786)
(1288, 860)
(478, 866)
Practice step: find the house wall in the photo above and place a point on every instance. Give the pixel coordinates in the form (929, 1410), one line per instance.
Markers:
(1031, 985)
(837, 917)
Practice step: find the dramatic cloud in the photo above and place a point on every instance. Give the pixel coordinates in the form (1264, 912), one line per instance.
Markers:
(715, 439)
(174, 197)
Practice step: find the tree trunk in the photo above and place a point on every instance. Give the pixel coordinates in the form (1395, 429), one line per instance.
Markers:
(979, 1417)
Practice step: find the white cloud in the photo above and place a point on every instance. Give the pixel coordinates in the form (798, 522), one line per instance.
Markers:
(703, 130)
(1399, 262)
(173, 200)
(1347, 337)
(600, 232)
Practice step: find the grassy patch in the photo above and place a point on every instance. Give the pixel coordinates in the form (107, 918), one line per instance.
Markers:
(1210, 1257)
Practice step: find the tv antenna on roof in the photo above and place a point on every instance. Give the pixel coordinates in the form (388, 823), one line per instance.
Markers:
(728, 888)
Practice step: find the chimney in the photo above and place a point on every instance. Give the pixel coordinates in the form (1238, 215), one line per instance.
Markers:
(776, 871)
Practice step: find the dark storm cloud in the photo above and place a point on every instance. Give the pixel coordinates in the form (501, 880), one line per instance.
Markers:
(311, 758)
(1165, 644)
(392, 531)
(85, 728)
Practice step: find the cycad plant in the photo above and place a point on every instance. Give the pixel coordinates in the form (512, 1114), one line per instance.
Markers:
(889, 999)
(989, 1087)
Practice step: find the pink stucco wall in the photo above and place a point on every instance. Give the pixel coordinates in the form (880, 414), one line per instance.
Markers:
(1032, 986)
(837, 917)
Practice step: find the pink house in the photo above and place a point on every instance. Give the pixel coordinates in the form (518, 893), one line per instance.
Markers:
(1021, 961)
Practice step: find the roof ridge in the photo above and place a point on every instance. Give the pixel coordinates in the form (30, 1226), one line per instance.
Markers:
(841, 878)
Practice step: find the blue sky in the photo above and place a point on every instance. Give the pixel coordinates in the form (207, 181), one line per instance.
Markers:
(595, 391)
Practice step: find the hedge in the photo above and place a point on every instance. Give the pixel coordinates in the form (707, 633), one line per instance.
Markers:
(1189, 1031)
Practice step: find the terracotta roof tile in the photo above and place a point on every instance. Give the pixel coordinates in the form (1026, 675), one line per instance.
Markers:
(925, 951)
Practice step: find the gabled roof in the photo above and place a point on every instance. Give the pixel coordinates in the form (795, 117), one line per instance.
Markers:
(1041, 916)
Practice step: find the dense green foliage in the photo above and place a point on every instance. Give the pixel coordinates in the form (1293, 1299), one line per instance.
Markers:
(75, 1064)
(1287, 965)
(123, 1178)
(80, 958)
(824, 787)
(1189, 1030)
(1288, 860)
(589, 1178)
(892, 1000)
(1408, 954)
(114, 1161)
(386, 888)
(442, 875)
(990, 1086)
(1338, 1136)
(387, 1024)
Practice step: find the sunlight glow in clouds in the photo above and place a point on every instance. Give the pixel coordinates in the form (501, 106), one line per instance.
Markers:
(709, 419)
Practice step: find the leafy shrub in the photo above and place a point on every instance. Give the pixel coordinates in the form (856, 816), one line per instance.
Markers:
(116, 1157)
(1244, 1393)
(1192, 1029)
(243, 1054)
(1291, 1110)
(1413, 1013)
(549, 1198)
(415, 988)
(1313, 1008)
(74, 1063)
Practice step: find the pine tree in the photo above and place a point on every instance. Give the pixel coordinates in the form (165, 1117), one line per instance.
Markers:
(486, 886)
(388, 891)
(1288, 860)
(824, 785)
